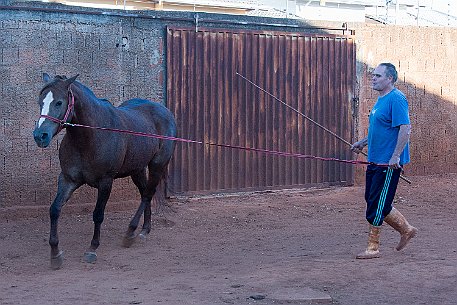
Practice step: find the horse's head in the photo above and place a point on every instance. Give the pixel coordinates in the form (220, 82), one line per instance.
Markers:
(55, 102)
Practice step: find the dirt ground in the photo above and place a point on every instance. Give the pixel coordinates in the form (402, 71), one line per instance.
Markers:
(253, 248)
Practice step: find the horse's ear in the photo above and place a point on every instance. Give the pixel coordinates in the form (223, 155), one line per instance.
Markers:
(71, 80)
(46, 78)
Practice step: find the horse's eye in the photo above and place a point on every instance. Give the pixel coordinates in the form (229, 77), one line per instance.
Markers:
(59, 103)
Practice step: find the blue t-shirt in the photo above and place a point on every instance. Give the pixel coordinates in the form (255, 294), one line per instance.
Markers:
(389, 112)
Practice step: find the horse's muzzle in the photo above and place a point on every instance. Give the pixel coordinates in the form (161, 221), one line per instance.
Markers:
(42, 139)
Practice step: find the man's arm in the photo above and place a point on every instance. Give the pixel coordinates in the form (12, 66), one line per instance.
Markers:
(403, 138)
(358, 146)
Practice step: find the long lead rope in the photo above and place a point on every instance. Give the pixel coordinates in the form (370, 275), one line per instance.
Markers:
(151, 135)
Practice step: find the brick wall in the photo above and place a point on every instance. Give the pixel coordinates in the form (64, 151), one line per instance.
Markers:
(117, 57)
(120, 57)
(426, 60)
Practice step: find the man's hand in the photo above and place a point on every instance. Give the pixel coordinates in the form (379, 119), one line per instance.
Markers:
(358, 146)
(394, 162)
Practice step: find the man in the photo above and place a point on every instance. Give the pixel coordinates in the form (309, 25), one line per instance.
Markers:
(388, 137)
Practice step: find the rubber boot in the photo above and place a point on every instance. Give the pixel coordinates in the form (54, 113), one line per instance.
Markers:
(397, 221)
(372, 250)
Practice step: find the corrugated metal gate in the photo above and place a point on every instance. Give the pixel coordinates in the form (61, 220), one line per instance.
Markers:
(312, 73)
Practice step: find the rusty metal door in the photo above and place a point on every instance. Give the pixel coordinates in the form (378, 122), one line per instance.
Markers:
(312, 73)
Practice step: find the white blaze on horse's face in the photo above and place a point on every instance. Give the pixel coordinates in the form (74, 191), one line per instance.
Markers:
(46, 104)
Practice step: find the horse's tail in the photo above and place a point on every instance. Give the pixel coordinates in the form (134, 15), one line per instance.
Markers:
(161, 195)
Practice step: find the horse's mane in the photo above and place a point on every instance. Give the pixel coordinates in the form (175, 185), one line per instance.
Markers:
(82, 86)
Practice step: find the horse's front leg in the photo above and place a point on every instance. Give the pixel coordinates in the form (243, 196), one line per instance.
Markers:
(104, 191)
(64, 190)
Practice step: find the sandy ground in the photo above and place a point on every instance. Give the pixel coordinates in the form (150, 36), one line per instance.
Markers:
(294, 247)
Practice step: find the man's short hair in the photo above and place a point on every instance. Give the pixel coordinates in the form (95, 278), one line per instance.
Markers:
(390, 70)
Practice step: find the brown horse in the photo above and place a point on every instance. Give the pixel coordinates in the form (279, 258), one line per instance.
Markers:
(97, 157)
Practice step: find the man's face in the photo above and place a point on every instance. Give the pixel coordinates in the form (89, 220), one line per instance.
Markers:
(379, 79)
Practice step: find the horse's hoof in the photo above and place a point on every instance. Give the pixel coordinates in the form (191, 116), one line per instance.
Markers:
(90, 257)
(143, 234)
(57, 261)
(128, 241)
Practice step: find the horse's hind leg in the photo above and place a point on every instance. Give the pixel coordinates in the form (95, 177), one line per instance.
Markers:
(147, 188)
(155, 175)
(104, 191)
(64, 190)
(141, 182)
